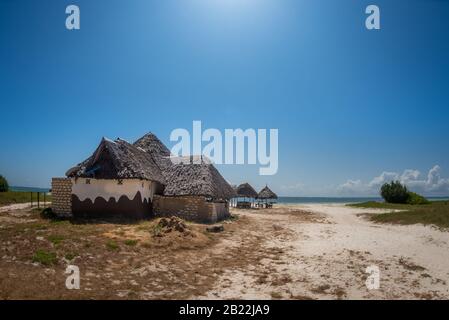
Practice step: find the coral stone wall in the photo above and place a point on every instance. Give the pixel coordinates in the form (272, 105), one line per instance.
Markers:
(61, 194)
(192, 208)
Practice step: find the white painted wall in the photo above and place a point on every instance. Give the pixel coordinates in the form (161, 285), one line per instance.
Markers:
(107, 188)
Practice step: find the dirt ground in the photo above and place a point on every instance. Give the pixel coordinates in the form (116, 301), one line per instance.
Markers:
(288, 252)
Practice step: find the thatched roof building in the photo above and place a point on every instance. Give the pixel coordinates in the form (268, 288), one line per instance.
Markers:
(198, 179)
(266, 194)
(186, 176)
(118, 160)
(141, 179)
(245, 190)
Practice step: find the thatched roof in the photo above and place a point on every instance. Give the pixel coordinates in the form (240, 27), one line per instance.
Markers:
(245, 190)
(148, 158)
(157, 150)
(118, 160)
(200, 179)
(186, 176)
(266, 193)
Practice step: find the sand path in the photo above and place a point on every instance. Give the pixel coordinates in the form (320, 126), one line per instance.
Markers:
(20, 206)
(327, 258)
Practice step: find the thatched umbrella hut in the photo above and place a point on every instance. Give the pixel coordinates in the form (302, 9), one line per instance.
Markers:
(246, 191)
(265, 195)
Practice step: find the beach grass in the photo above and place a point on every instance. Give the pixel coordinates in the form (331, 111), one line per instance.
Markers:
(383, 205)
(12, 197)
(435, 213)
(44, 257)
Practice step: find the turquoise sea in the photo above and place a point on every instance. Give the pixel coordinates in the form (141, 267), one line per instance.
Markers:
(29, 189)
(296, 200)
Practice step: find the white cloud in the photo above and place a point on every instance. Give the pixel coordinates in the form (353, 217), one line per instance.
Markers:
(384, 177)
(433, 184)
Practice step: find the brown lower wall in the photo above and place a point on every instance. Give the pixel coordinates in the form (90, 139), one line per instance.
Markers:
(192, 208)
(124, 208)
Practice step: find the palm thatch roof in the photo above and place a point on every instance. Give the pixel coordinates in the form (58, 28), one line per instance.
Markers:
(151, 144)
(118, 160)
(186, 176)
(266, 193)
(196, 178)
(148, 158)
(245, 190)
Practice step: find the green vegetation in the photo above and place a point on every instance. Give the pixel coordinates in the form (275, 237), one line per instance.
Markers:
(55, 239)
(434, 213)
(414, 198)
(44, 257)
(156, 230)
(382, 205)
(70, 256)
(396, 192)
(11, 197)
(4, 187)
(130, 242)
(112, 245)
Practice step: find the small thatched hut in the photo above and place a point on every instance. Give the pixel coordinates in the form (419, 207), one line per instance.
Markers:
(118, 179)
(267, 196)
(195, 190)
(247, 192)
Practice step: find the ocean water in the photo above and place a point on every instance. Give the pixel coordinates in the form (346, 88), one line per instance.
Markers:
(298, 200)
(29, 189)
(285, 200)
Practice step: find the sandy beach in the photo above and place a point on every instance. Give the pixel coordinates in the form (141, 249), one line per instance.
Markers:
(312, 251)
(325, 256)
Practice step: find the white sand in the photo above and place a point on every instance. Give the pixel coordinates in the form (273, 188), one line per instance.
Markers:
(20, 206)
(328, 260)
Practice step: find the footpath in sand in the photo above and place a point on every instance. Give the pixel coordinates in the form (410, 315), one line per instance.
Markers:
(326, 250)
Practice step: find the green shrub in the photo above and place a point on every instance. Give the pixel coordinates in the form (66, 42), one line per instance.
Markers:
(44, 257)
(394, 192)
(130, 242)
(4, 187)
(112, 245)
(55, 239)
(414, 198)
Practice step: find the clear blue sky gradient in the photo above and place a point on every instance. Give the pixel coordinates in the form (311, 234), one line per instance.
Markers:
(349, 103)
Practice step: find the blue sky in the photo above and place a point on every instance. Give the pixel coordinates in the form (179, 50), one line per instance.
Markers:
(353, 107)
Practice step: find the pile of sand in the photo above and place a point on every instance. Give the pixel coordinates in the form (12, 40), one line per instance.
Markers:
(175, 233)
(169, 225)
